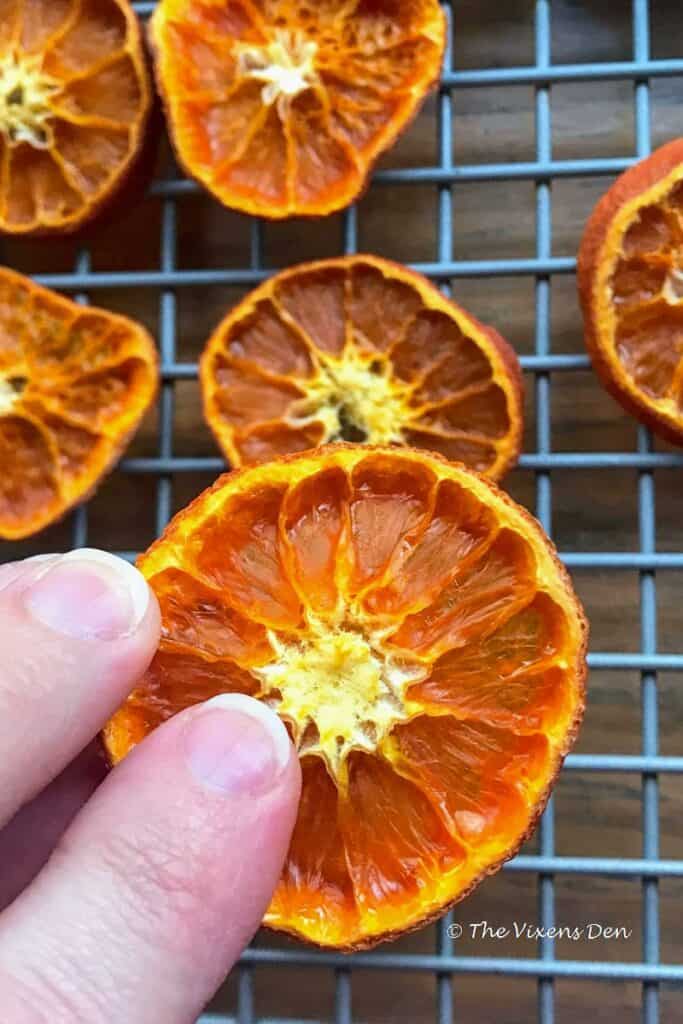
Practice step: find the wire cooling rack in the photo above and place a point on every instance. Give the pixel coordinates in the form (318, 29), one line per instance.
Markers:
(449, 962)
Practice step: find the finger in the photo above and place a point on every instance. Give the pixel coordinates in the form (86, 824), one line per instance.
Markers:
(31, 836)
(162, 878)
(76, 633)
(10, 571)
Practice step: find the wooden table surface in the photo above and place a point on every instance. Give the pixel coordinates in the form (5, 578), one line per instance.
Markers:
(593, 511)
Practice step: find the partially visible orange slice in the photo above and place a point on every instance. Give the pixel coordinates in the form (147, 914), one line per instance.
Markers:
(631, 288)
(415, 631)
(359, 348)
(75, 99)
(281, 107)
(75, 383)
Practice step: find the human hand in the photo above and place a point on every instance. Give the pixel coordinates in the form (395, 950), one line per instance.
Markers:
(158, 876)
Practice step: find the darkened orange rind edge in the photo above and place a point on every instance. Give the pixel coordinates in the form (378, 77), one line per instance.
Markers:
(634, 181)
(151, 357)
(136, 173)
(254, 209)
(509, 362)
(580, 666)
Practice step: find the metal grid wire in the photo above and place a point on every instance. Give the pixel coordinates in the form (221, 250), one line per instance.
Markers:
(446, 963)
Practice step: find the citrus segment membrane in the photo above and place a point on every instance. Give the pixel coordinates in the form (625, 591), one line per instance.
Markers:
(360, 349)
(198, 617)
(506, 677)
(395, 842)
(315, 523)
(431, 700)
(389, 506)
(481, 595)
(74, 384)
(252, 569)
(316, 884)
(458, 531)
(631, 285)
(481, 777)
(166, 691)
(282, 108)
(75, 98)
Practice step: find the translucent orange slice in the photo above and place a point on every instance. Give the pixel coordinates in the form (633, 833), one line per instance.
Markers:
(75, 98)
(415, 631)
(361, 349)
(281, 107)
(74, 384)
(631, 288)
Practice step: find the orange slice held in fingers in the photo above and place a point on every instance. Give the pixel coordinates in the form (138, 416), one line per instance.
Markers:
(75, 382)
(359, 348)
(417, 634)
(75, 96)
(281, 107)
(631, 288)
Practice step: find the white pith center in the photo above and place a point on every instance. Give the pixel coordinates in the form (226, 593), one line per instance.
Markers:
(351, 393)
(673, 287)
(25, 94)
(285, 65)
(10, 390)
(339, 691)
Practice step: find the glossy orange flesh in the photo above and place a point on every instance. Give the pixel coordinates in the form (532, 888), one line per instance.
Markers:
(417, 634)
(631, 287)
(360, 348)
(74, 384)
(75, 96)
(281, 107)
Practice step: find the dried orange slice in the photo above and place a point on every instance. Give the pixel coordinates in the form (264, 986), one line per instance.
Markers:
(281, 107)
(359, 348)
(631, 288)
(414, 629)
(75, 382)
(75, 97)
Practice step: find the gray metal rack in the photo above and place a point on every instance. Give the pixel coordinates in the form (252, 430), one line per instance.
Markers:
(446, 963)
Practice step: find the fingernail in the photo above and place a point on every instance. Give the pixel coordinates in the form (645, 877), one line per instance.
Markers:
(237, 745)
(89, 595)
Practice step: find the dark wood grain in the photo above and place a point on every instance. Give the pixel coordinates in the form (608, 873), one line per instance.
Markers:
(596, 815)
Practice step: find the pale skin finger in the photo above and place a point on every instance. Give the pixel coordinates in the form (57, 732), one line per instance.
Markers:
(76, 632)
(30, 837)
(161, 880)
